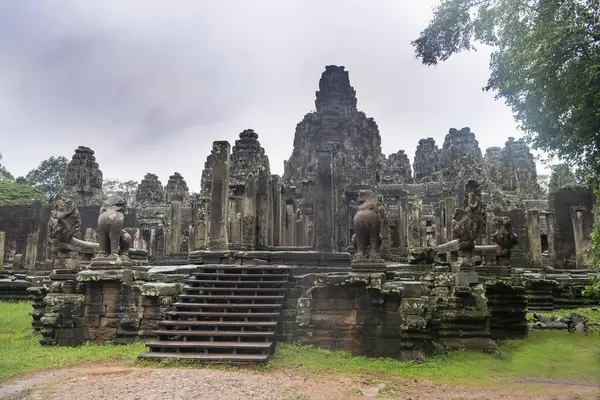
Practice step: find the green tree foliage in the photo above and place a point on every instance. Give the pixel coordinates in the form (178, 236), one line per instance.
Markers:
(545, 65)
(5, 176)
(562, 176)
(126, 189)
(14, 193)
(49, 176)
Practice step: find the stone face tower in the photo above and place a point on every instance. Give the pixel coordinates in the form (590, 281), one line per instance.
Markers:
(84, 178)
(336, 125)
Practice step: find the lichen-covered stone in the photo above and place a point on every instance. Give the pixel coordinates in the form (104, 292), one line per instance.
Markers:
(83, 181)
(337, 125)
(427, 161)
(396, 169)
(177, 189)
(150, 192)
(461, 157)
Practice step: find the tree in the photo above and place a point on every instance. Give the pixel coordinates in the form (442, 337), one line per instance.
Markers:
(49, 176)
(545, 65)
(126, 189)
(562, 176)
(13, 193)
(5, 176)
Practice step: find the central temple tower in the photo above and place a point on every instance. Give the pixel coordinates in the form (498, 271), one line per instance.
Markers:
(338, 126)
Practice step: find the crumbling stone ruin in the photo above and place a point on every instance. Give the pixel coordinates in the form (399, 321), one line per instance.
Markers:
(150, 192)
(84, 178)
(427, 164)
(349, 249)
(177, 189)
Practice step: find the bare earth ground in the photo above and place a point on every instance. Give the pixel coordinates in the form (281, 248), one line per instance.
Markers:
(117, 381)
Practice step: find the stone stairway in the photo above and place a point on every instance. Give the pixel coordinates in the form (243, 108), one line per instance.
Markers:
(226, 313)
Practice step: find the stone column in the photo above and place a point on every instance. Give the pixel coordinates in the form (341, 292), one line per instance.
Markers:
(323, 223)
(2, 244)
(174, 245)
(31, 251)
(581, 242)
(550, 226)
(439, 226)
(290, 224)
(277, 209)
(249, 214)
(218, 239)
(200, 224)
(262, 208)
(449, 207)
(534, 238)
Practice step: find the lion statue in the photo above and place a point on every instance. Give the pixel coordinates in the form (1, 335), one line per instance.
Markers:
(64, 222)
(113, 240)
(367, 226)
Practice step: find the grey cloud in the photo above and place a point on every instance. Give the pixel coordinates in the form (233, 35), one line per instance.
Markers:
(159, 81)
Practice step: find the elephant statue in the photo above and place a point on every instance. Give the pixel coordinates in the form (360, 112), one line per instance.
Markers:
(113, 240)
(367, 226)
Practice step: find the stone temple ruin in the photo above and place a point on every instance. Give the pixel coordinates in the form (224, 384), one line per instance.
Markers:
(349, 249)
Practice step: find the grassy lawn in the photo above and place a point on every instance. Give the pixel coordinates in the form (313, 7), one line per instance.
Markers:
(546, 354)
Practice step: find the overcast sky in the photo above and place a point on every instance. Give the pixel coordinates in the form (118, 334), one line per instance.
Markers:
(150, 84)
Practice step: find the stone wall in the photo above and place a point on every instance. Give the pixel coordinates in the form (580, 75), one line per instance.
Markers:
(18, 222)
(561, 202)
(25, 224)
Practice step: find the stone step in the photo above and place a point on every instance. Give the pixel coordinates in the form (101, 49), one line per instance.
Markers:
(188, 289)
(219, 358)
(179, 344)
(214, 333)
(210, 314)
(240, 268)
(234, 282)
(241, 324)
(227, 297)
(225, 305)
(202, 275)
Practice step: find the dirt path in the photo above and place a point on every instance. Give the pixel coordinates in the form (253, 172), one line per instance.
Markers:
(114, 381)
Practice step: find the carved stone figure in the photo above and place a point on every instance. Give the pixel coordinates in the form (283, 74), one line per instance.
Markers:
(469, 223)
(64, 221)
(504, 235)
(113, 240)
(367, 226)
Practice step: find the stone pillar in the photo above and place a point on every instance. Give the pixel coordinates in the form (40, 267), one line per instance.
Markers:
(262, 208)
(277, 209)
(290, 224)
(199, 240)
(218, 238)
(550, 227)
(31, 251)
(534, 238)
(439, 226)
(449, 207)
(174, 245)
(249, 214)
(323, 228)
(2, 244)
(581, 242)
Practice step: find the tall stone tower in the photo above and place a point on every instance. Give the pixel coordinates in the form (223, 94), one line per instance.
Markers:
(336, 125)
(84, 178)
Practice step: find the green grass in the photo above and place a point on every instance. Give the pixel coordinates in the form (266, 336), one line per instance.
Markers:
(20, 353)
(546, 354)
